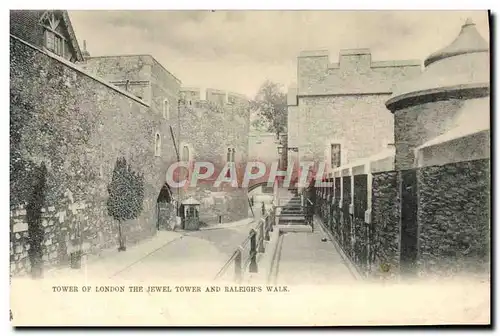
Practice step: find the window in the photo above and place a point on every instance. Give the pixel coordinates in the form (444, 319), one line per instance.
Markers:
(335, 151)
(230, 158)
(157, 144)
(185, 153)
(230, 155)
(166, 109)
(54, 42)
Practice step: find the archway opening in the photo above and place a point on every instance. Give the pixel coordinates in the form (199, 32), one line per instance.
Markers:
(166, 209)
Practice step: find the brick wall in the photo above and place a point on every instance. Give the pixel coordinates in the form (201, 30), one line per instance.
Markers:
(454, 219)
(78, 127)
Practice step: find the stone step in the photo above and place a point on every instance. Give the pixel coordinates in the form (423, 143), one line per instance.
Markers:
(292, 218)
(291, 207)
(292, 211)
(291, 203)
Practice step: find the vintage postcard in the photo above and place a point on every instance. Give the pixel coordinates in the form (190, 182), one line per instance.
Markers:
(249, 168)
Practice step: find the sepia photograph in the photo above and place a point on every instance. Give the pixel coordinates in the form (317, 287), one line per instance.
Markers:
(250, 168)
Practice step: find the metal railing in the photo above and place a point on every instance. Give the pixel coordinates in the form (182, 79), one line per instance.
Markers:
(244, 258)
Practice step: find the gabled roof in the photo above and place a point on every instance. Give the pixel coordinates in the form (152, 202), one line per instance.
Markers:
(71, 33)
(72, 36)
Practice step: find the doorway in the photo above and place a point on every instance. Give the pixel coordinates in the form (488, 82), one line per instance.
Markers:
(165, 208)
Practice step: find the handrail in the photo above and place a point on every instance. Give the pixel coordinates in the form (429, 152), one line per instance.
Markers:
(255, 239)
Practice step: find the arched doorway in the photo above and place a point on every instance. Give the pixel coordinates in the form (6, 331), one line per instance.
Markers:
(166, 209)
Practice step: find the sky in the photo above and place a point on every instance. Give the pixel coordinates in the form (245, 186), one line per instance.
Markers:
(238, 50)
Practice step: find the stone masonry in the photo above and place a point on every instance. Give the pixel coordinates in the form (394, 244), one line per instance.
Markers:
(78, 119)
(454, 220)
(78, 126)
(343, 103)
(208, 128)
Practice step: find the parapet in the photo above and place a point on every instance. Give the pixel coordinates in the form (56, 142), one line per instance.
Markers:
(354, 73)
(363, 56)
(220, 97)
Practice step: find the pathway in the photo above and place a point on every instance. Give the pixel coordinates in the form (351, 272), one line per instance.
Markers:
(304, 258)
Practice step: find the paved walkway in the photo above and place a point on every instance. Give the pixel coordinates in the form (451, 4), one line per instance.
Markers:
(304, 259)
(167, 259)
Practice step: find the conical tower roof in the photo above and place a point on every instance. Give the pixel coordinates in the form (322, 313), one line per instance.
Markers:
(468, 41)
(462, 65)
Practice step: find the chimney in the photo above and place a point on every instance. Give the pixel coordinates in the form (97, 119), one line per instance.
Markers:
(85, 53)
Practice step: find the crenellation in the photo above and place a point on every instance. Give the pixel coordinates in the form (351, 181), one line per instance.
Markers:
(192, 96)
(355, 72)
(349, 92)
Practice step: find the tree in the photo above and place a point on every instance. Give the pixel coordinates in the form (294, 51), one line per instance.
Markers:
(270, 104)
(126, 196)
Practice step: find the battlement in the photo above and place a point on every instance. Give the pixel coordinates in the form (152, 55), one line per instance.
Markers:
(354, 73)
(193, 96)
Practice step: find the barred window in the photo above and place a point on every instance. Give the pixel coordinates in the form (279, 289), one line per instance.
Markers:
(335, 151)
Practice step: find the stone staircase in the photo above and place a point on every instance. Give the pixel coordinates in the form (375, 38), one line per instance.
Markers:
(291, 212)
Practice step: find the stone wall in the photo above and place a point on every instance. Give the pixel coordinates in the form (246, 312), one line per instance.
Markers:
(355, 73)
(386, 221)
(417, 124)
(262, 147)
(343, 119)
(454, 219)
(208, 130)
(337, 102)
(206, 127)
(137, 70)
(79, 126)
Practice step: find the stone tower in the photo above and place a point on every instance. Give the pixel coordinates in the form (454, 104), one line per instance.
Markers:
(451, 95)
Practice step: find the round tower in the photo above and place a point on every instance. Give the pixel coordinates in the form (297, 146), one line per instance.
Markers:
(452, 91)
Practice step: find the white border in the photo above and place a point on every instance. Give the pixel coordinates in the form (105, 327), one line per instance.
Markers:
(148, 4)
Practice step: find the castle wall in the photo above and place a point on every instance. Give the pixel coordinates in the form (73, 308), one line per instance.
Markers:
(78, 126)
(137, 70)
(208, 129)
(454, 218)
(360, 123)
(263, 148)
(343, 103)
